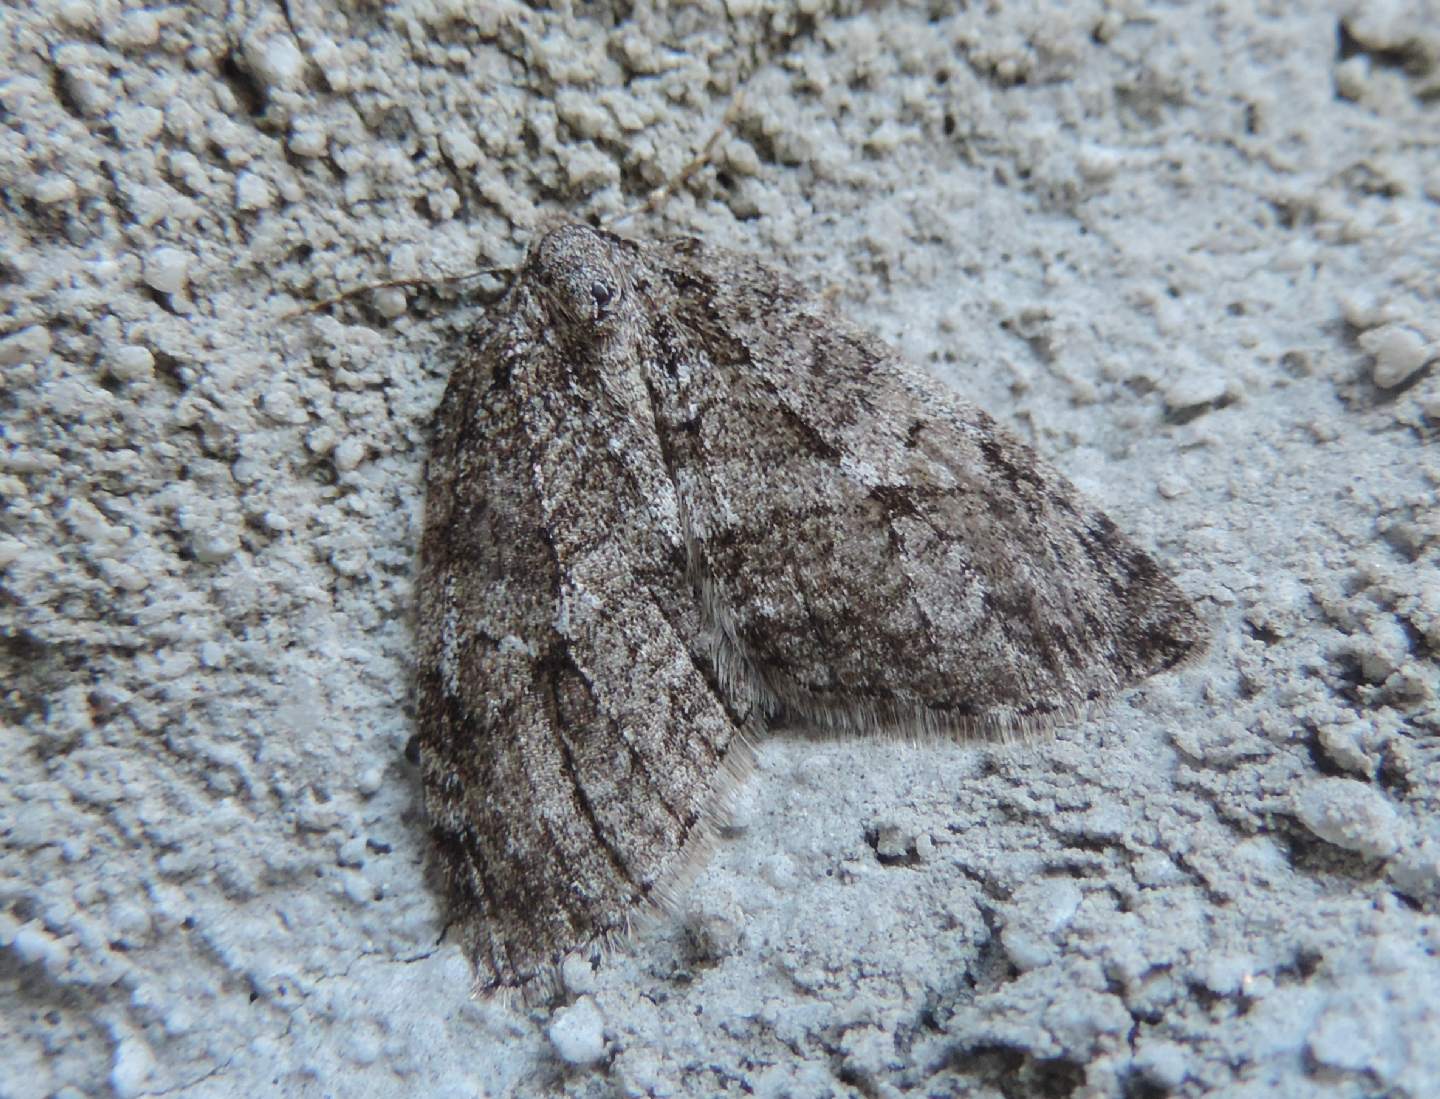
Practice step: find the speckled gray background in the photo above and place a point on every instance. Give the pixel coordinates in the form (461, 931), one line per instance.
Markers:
(1190, 251)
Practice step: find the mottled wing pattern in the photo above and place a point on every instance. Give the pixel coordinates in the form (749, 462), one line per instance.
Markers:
(572, 753)
(879, 550)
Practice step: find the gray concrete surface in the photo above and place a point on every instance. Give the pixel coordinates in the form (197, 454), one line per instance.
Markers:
(1189, 250)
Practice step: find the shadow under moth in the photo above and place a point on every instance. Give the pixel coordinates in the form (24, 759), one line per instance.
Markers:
(675, 498)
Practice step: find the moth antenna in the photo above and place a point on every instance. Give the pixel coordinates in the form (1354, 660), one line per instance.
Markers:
(706, 154)
(441, 280)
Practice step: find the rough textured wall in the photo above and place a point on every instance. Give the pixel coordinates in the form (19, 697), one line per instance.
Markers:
(1188, 251)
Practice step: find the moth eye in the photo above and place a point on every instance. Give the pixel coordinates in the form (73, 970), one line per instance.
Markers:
(602, 294)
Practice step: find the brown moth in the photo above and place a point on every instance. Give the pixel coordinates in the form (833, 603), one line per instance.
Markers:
(674, 498)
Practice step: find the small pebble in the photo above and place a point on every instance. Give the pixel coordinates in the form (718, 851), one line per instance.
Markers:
(1162, 1064)
(1416, 871)
(715, 928)
(252, 192)
(308, 142)
(131, 363)
(167, 270)
(137, 30)
(54, 188)
(33, 945)
(349, 454)
(1172, 485)
(1399, 352)
(277, 62)
(578, 1033)
(131, 1065)
(1351, 815)
(1195, 389)
(1350, 1036)
(578, 975)
(29, 345)
(214, 545)
(391, 302)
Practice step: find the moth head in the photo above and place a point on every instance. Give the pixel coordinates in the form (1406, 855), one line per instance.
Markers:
(580, 273)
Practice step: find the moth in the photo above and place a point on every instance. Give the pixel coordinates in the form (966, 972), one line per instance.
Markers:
(675, 499)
